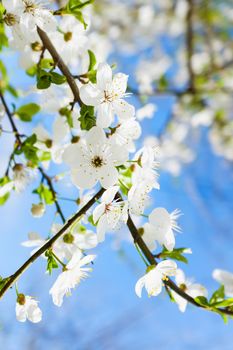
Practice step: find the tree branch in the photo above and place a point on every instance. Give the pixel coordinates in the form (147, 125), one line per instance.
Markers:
(49, 244)
(61, 64)
(151, 259)
(189, 43)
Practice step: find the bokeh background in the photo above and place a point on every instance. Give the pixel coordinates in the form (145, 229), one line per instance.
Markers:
(104, 312)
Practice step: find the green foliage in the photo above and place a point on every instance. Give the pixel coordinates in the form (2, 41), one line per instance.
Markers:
(175, 254)
(29, 150)
(66, 112)
(3, 181)
(45, 194)
(87, 118)
(51, 262)
(219, 294)
(26, 112)
(3, 281)
(74, 7)
(45, 79)
(91, 68)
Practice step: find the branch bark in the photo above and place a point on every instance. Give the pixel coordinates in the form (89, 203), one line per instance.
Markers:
(61, 64)
(13, 278)
(152, 261)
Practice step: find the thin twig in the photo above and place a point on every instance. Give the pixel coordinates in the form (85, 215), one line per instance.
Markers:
(12, 279)
(61, 64)
(151, 259)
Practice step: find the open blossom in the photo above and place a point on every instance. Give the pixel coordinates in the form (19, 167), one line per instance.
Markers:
(27, 308)
(94, 159)
(71, 277)
(54, 144)
(153, 279)
(110, 214)
(225, 278)
(138, 198)
(186, 285)
(24, 16)
(160, 228)
(126, 133)
(107, 96)
(70, 243)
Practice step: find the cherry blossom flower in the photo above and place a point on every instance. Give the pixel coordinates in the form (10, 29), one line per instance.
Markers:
(110, 214)
(27, 308)
(186, 285)
(225, 278)
(94, 159)
(153, 279)
(126, 133)
(160, 228)
(22, 176)
(70, 277)
(25, 15)
(107, 96)
(54, 144)
(138, 198)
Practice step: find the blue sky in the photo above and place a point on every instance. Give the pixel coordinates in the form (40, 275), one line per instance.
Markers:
(104, 312)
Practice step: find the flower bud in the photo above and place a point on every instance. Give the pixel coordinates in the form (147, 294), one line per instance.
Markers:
(21, 300)
(38, 210)
(68, 238)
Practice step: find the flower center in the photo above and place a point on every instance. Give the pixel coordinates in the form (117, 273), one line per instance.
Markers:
(97, 161)
(183, 287)
(68, 36)
(10, 19)
(30, 6)
(68, 238)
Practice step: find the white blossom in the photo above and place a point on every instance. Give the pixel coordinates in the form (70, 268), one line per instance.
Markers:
(27, 308)
(110, 214)
(94, 159)
(107, 96)
(153, 279)
(160, 228)
(187, 286)
(70, 277)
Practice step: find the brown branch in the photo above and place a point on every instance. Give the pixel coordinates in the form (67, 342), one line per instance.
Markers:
(61, 64)
(13, 278)
(169, 283)
(189, 43)
(19, 141)
(11, 120)
(50, 184)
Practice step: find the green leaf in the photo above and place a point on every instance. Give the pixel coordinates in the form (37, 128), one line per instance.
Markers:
(224, 303)
(43, 80)
(92, 60)
(57, 78)
(202, 301)
(27, 111)
(3, 181)
(51, 262)
(174, 254)
(87, 118)
(32, 71)
(218, 295)
(46, 63)
(29, 149)
(3, 281)
(45, 194)
(66, 112)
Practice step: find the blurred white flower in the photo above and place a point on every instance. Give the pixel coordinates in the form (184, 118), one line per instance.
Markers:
(153, 279)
